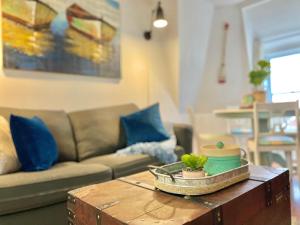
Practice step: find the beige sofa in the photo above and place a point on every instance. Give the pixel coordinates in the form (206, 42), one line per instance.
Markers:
(87, 141)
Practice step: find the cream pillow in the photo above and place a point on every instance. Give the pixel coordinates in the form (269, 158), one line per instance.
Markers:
(8, 156)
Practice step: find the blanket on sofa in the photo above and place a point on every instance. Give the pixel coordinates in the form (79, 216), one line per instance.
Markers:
(164, 151)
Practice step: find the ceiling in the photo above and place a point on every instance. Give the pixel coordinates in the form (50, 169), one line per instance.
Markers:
(274, 18)
(226, 2)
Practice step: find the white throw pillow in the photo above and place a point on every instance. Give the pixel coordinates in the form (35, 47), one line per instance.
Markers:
(9, 161)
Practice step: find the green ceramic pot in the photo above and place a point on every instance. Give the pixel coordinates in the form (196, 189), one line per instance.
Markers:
(221, 158)
(215, 165)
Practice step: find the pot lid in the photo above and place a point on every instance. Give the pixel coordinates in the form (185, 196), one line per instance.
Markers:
(220, 150)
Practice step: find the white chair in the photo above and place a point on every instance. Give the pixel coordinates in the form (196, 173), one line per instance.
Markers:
(208, 130)
(273, 131)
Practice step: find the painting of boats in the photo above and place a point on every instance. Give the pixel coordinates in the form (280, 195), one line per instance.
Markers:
(62, 36)
(26, 39)
(84, 47)
(90, 25)
(31, 13)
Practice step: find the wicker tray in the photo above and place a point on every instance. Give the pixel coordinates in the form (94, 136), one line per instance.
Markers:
(168, 178)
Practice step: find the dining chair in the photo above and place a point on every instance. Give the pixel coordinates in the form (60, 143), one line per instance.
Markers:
(207, 131)
(276, 128)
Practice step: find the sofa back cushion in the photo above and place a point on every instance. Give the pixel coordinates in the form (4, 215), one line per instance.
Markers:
(98, 131)
(59, 125)
(35, 144)
(144, 126)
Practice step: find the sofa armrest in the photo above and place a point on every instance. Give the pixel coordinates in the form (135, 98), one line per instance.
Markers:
(184, 136)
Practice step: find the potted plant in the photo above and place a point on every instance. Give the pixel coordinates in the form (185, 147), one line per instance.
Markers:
(194, 166)
(257, 77)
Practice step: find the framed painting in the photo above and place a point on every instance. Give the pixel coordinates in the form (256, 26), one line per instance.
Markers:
(63, 36)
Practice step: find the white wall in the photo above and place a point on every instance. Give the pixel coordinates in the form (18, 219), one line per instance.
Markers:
(277, 33)
(178, 67)
(213, 95)
(281, 17)
(277, 29)
(195, 18)
(281, 45)
(149, 71)
(164, 64)
(52, 91)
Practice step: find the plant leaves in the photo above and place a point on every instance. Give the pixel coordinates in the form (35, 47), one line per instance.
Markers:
(257, 77)
(193, 161)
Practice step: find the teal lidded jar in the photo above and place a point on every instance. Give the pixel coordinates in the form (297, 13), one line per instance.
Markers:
(221, 158)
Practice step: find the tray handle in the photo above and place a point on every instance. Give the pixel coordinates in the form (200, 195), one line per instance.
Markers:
(151, 168)
(245, 154)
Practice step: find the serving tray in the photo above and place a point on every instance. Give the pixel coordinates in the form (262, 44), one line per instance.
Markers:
(169, 178)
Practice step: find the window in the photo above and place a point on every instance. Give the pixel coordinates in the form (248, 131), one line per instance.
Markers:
(285, 78)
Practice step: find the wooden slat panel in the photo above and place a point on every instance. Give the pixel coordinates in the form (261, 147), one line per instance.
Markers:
(246, 206)
(278, 214)
(144, 177)
(232, 192)
(133, 203)
(139, 202)
(264, 173)
(130, 199)
(85, 214)
(240, 204)
(176, 212)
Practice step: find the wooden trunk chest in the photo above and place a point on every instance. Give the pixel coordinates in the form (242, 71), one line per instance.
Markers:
(264, 199)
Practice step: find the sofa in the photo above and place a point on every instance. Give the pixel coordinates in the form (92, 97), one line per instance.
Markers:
(87, 141)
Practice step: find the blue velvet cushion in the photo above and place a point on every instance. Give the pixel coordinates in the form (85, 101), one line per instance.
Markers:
(144, 126)
(35, 145)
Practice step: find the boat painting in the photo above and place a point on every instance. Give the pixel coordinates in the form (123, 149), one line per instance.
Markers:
(26, 40)
(90, 25)
(70, 37)
(31, 13)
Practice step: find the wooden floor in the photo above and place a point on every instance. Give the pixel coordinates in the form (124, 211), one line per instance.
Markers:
(295, 197)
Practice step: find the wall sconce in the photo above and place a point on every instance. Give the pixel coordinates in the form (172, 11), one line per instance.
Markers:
(158, 21)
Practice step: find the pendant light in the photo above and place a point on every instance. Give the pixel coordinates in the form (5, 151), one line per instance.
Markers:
(158, 21)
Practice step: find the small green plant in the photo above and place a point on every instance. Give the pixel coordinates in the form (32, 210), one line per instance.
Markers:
(193, 162)
(258, 76)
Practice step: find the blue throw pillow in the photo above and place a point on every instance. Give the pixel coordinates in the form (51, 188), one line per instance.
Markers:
(144, 126)
(35, 145)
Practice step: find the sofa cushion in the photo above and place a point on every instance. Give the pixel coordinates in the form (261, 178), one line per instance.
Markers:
(59, 125)
(9, 161)
(144, 126)
(23, 190)
(35, 145)
(184, 136)
(124, 165)
(97, 131)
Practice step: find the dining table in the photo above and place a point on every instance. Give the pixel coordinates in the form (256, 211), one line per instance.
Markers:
(239, 113)
(234, 113)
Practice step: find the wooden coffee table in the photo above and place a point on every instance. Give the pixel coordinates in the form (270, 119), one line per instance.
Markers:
(264, 199)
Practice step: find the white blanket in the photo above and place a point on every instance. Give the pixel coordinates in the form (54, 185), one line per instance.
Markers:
(164, 151)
